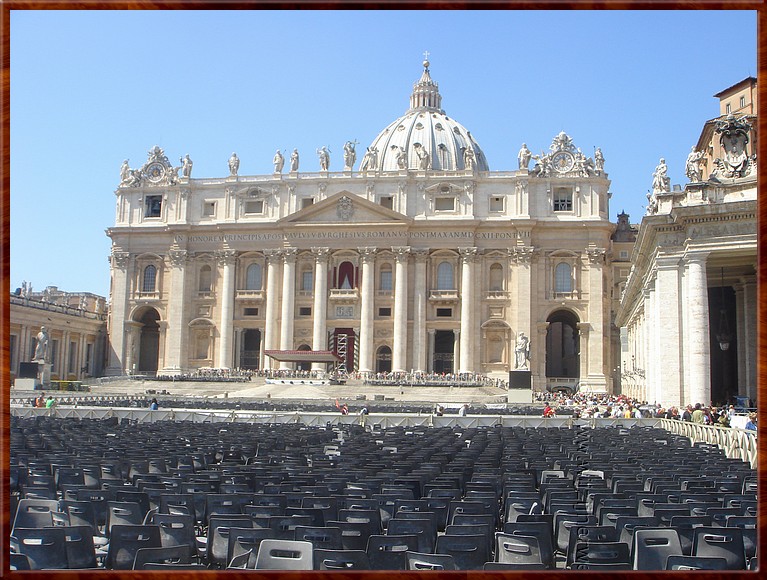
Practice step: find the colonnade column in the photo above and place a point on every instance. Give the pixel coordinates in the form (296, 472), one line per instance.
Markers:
(399, 354)
(227, 258)
(468, 335)
(367, 256)
(116, 362)
(747, 317)
(237, 350)
(288, 302)
(419, 310)
(178, 338)
(320, 309)
(432, 332)
(539, 362)
(697, 337)
(273, 261)
(666, 364)
(132, 337)
(456, 349)
(596, 368)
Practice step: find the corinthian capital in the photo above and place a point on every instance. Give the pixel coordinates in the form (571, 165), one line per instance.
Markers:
(596, 255)
(177, 257)
(225, 257)
(401, 253)
(120, 259)
(321, 254)
(420, 254)
(367, 254)
(522, 254)
(273, 256)
(468, 254)
(289, 254)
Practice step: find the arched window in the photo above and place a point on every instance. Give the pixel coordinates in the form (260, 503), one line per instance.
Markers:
(445, 276)
(150, 278)
(496, 278)
(253, 277)
(386, 279)
(563, 279)
(206, 279)
(346, 276)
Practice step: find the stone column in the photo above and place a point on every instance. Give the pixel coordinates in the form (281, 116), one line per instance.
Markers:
(419, 310)
(399, 354)
(367, 256)
(119, 309)
(237, 348)
(178, 336)
(456, 350)
(228, 259)
(748, 321)
(320, 309)
(288, 302)
(666, 351)
(596, 366)
(430, 354)
(274, 259)
(521, 258)
(539, 362)
(133, 339)
(468, 332)
(163, 335)
(697, 337)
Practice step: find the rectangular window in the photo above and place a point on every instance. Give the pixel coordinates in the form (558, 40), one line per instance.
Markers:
(444, 204)
(153, 206)
(624, 254)
(305, 311)
(496, 204)
(387, 201)
(72, 357)
(306, 202)
(742, 102)
(306, 281)
(444, 312)
(254, 206)
(250, 311)
(563, 199)
(728, 108)
(384, 312)
(209, 209)
(386, 281)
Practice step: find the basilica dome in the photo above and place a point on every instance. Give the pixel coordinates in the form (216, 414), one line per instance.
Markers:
(424, 137)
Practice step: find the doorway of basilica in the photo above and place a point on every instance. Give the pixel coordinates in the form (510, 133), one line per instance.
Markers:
(562, 347)
(251, 349)
(444, 345)
(149, 341)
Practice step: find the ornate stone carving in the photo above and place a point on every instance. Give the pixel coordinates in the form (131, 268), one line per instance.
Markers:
(401, 253)
(289, 255)
(350, 155)
(279, 161)
(234, 165)
(273, 256)
(367, 254)
(186, 166)
(420, 254)
(177, 257)
(321, 254)
(596, 255)
(522, 254)
(424, 159)
(370, 187)
(294, 161)
(468, 254)
(225, 257)
(692, 165)
(321, 189)
(345, 208)
(524, 156)
(734, 137)
(119, 259)
(323, 153)
(370, 160)
(468, 188)
(599, 161)
(564, 160)
(156, 171)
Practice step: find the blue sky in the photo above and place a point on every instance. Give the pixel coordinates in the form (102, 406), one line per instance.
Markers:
(91, 88)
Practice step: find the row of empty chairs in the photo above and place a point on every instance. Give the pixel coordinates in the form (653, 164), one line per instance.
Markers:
(208, 495)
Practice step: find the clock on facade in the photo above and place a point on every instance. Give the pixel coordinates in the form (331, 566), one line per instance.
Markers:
(154, 172)
(563, 161)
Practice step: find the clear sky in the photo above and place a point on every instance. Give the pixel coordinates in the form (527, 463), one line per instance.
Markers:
(92, 88)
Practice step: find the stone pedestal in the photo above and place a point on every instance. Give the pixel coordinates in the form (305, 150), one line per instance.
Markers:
(44, 374)
(26, 384)
(520, 386)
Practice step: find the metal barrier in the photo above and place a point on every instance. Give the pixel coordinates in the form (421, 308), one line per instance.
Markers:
(736, 443)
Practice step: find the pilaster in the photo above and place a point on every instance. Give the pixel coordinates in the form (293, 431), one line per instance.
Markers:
(228, 259)
(288, 301)
(320, 309)
(367, 257)
(468, 280)
(399, 354)
(419, 310)
(697, 338)
(273, 263)
(178, 338)
(119, 310)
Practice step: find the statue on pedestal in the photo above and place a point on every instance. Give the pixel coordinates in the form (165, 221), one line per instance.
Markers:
(370, 160)
(294, 160)
(599, 161)
(41, 349)
(661, 182)
(524, 156)
(234, 165)
(521, 351)
(324, 156)
(469, 158)
(350, 155)
(279, 162)
(186, 166)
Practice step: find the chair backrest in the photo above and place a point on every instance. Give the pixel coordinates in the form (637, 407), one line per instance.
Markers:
(44, 547)
(81, 552)
(389, 552)
(421, 561)
(219, 527)
(340, 560)
(123, 513)
(515, 549)
(284, 555)
(601, 552)
(424, 529)
(470, 552)
(19, 562)
(540, 530)
(35, 513)
(240, 561)
(325, 537)
(652, 546)
(695, 563)
(126, 540)
(243, 540)
(715, 542)
(503, 566)
(164, 555)
(354, 535)
(176, 529)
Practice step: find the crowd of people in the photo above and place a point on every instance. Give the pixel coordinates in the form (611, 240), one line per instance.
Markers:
(417, 379)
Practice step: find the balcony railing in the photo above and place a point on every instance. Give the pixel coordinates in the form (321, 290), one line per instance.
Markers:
(344, 294)
(443, 295)
(497, 295)
(147, 295)
(250, 294)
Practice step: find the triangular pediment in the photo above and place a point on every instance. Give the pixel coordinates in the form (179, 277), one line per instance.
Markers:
(345, 208)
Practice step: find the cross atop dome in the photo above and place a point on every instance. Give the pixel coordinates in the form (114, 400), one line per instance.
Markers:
(426, 91)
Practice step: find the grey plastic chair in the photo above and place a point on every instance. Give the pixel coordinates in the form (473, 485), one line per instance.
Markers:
(284, 555)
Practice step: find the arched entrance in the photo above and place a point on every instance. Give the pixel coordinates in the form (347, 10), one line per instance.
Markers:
(149, 341)
(383, 360)
(444, 344)
(304, 365)
(251, 349)
(562, 349)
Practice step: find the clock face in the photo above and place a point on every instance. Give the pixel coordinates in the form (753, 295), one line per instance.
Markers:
(563, 161)
(154, 172)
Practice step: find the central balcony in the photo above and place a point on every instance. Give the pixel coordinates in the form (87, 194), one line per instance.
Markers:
(344, 295)
(250, 295)
(443, 296)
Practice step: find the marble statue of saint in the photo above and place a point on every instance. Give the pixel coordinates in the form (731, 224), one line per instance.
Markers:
(524, 156)
(469, 158)
(521, 351)
(324, 155)
(661, 183)
(370, 161)
(402, 158)
(279, 162)
(350, 155)
(599, 161)
(294, 160)
(173, 175)
(124, 172)
(234, 164)
(692, 165)
(424, 159)
(186, 166)
(41, 349)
